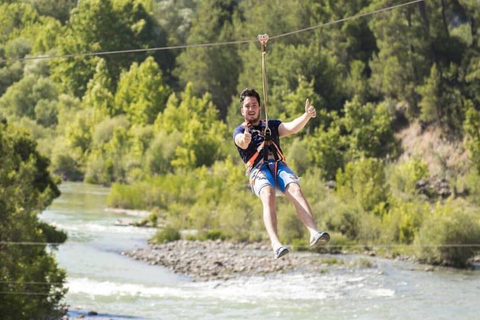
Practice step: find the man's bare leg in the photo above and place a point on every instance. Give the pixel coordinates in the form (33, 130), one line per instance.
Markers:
(295, 195)
(267, 195)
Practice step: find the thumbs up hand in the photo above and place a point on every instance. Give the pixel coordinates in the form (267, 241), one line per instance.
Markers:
(247, 137)
(310, 110)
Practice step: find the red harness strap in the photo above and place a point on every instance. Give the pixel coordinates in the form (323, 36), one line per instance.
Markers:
(249, 164)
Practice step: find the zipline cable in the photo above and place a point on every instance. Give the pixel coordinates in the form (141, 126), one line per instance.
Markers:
(187, 46)
(448, 245)
(104, 53)
(26, 293)
(33, 283)
(29, 243)
(361, 15)
(396, 245)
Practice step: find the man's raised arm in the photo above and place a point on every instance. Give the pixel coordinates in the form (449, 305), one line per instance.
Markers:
(288, 128)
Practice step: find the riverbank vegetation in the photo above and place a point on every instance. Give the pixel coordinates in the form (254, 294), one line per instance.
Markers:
(391, 158)
(31, 284)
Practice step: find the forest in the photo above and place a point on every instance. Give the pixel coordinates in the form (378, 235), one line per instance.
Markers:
(393, 156)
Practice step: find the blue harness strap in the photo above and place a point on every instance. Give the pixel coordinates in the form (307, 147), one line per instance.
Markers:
(273, 167)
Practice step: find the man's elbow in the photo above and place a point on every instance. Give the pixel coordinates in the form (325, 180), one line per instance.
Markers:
(241, 144)
(288, 131)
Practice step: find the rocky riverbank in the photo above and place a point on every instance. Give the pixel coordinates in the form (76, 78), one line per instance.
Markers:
(213, 260)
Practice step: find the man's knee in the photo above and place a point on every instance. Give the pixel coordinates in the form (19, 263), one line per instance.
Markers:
(267, 192)
(293, 188)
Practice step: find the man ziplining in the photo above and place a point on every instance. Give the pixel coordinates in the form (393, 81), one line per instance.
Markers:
(258, 143)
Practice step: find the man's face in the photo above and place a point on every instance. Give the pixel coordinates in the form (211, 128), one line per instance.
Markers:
(251, 110)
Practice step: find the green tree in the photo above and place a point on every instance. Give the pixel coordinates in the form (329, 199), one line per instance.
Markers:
(142, 92)
(9, 75)
(215, 69)
(267, 16)
(202, 132)
(18, 100)
(294, 104)
(59, 10)
(27, 188)
(98, 96)
(106, 25)
(471, 128)
(161, 152)
(441, 101)
(176, 17)
(109, 162)
(365, 182)
(24, 31)
(13, 18)
(326, 150)
(352, 43)
(431, 106)
(23, 98)
(448, 224)
(369, 130)
(404, 56)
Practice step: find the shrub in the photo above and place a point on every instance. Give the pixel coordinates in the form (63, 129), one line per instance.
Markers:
(168, 234)
(369, 129)
(370, 228)
(161, 152)
(128, 197)
(64, 163)
(473, 186)
(403, 220)
(204, 216)
(99, 170)
(364, 182)
(450, 224)
(325, 150)
(343, 219)
(300, 244)
(296, 156)
(241, 220)
(404, 176)
(289, 225)
(214, 234)
(46, 112)
(103, 131)
(338, 243)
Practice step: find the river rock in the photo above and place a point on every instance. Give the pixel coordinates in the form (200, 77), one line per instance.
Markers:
(214, 260)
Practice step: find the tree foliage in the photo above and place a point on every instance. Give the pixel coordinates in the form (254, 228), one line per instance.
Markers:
(214, 69)
(27, 188)
(106, 25)
(142, 92)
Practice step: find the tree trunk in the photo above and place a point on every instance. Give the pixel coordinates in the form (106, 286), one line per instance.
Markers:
(423, 12)
(444, 17)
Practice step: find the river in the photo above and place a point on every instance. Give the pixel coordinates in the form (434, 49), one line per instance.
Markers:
(100, 279)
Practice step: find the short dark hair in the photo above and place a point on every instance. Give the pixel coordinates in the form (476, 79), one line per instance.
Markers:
(249, 93)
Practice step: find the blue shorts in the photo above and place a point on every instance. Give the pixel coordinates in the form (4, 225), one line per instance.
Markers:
(261, 176)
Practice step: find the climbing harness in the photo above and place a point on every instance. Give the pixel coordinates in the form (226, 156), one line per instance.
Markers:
(270, 146)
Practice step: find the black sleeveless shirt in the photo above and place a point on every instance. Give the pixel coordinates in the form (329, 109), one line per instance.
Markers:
(257, 138)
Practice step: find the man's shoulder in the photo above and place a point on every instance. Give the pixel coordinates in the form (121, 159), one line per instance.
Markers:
(238, 129)
(275, 122)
